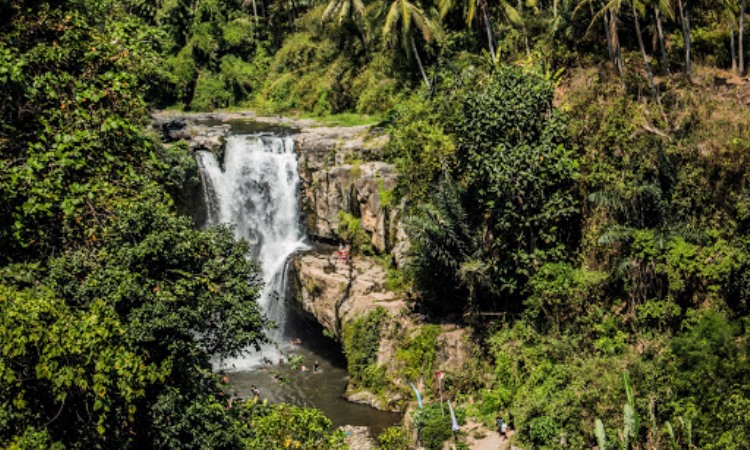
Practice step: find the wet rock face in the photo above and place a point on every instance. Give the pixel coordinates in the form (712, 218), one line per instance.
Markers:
(335, 179)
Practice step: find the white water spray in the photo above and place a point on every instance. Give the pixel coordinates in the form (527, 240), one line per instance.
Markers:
(256, 191)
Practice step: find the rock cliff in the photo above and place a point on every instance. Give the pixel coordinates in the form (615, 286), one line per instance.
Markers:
(336, 292)
(336, 178)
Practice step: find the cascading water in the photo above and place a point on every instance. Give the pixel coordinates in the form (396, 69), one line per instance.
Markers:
(256, 191)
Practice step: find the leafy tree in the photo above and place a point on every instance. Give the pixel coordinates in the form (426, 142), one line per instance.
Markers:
(68, 371)
(111, 303)
(149, 304)
(513, 211)
(285, 426)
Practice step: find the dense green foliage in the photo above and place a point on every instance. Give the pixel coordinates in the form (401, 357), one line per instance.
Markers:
(361, 341)
(111, 305)
(505, 206)
(661, 251)
(433, 424)
(393, 438)
(284, 426)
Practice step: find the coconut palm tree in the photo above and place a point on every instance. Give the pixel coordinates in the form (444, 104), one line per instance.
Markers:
(743, 8)
(662, 8)
(639, 8)
(348, 10)
(609, 12)
(685, 21)
(403, 20)
(471, 7)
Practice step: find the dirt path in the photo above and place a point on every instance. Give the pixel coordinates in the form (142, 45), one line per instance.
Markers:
(480, 438)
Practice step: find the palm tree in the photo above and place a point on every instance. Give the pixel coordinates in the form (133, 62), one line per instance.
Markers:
(353, 10)
(662, 7)
(610, 14)
(255, 7)
(639, 8)
(685, 21)
(470, 12)
(743, 6)
(728, 10)
(402, 14)
(733, 11)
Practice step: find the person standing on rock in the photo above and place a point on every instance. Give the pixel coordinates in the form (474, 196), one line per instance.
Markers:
(501, 427)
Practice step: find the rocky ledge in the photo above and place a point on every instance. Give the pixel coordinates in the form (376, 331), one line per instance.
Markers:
(337, 293)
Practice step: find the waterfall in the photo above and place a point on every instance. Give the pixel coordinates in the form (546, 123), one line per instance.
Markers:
(255, 190)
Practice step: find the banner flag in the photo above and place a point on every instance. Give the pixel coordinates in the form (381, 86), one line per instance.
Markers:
(454, 422)
(419, 397)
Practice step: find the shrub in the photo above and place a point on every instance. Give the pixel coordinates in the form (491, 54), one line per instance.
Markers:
(210, 92)
(393, 438)
(433, 423)
(350, 230)
(242, 79)
(361, 343)
(184, 71)
(542, 431)
(418, 353)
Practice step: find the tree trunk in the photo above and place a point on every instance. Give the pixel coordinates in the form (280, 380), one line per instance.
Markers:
(741, 38)
(616, 41)
(660, 33)
(419, 63)
(554, 8)
(523, 29)
(607, 34)
(685, 19)
(364, 38)
(646, 65)
(255, 9)
(488, 29)
(292, 15)
(731, 45)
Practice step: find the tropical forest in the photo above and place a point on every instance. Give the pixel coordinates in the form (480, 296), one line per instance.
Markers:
(374, 224)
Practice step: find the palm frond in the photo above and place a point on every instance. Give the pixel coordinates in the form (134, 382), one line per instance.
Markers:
(615, 234)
